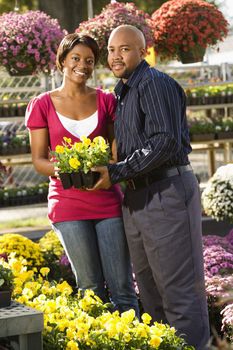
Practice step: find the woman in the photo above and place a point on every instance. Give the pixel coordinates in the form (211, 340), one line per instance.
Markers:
(88, 224)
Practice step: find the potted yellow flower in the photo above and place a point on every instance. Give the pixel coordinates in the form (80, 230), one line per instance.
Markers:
(75, 160)
(6, 285)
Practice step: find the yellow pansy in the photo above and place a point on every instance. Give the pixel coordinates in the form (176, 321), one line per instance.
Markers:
(67, 139)
(74, 163)
(59, 149)
(146, 318)
(128, 316)
(44, 271)
(99, 139)
(64, 288)
(71, 345)
(86, 141)
(78, 146)
(155, 341)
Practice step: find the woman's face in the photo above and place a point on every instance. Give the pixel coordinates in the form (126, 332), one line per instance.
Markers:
(79, 63)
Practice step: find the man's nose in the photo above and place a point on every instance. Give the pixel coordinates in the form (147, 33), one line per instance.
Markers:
(116, 53)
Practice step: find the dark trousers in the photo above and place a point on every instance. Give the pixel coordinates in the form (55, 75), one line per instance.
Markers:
(163, 228)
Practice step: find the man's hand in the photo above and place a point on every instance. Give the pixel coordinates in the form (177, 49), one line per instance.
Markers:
(104, 182)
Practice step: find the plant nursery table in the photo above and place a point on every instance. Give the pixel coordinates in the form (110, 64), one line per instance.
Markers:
(25, 323)
(211, 147)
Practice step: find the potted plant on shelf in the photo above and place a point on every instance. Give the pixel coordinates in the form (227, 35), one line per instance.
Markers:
(224, 128)
(216, 94)
(75, 160)
(28, 42)
(184, 29)
(201, 129)
(111, 16)
(6, 284)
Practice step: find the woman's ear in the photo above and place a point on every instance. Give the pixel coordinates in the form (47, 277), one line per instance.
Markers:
(62, 65)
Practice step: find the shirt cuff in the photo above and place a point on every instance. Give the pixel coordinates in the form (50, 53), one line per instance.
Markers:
(116, 173)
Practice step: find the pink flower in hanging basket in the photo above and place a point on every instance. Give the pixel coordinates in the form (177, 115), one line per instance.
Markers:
(29, 41)
(111, 16)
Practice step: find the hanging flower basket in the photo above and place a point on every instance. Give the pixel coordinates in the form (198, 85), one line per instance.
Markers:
(196, 54)
(28, 42)
(111, 16)
(17, 72)
(184, 29)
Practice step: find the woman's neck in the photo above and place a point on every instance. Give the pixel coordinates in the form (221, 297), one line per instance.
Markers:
(70, 89)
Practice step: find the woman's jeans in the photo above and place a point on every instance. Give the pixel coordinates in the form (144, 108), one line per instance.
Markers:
(98, 253)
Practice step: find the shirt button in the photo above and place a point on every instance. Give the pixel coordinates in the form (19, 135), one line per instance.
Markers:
(122, 103)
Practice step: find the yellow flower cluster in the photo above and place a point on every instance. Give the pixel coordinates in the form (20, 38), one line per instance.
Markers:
(50, 244)
(22, 247)
(80, 322)
(81, 155)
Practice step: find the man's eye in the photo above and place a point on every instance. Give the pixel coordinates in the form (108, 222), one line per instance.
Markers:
(124, 49)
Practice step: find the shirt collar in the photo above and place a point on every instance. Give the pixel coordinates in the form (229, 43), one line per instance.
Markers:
(134, 78)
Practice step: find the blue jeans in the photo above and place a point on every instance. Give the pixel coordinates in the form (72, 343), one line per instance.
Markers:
(98, 253)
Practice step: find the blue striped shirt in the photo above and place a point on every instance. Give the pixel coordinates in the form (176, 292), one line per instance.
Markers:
(150, 126)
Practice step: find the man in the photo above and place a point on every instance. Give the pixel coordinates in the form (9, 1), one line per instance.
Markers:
(161, 210)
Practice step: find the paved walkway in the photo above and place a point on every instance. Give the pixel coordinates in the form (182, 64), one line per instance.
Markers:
(23, 212)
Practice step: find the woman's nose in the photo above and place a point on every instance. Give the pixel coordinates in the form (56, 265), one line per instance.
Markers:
(82, 64)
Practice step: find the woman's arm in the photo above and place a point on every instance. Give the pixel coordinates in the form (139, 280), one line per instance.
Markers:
(39, 140)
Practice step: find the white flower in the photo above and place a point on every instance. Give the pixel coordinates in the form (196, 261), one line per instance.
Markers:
(218, 194)
(225, 172)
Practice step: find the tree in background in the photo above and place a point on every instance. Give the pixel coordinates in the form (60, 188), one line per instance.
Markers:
(9, 5)
(148, 6)
(69, 13)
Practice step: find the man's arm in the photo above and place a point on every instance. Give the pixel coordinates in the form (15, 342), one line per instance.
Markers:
(162, 103)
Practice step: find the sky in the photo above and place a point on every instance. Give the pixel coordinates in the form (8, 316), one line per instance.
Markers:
(227, 9)
(225, 54)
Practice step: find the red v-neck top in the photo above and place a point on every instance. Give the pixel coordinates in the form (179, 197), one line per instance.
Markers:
(72, 204)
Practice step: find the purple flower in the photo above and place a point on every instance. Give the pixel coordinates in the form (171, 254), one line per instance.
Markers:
(32, 38)
(64, 260)
(4, 256)
(113, 15)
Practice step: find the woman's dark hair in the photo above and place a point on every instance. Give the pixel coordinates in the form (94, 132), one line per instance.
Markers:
(69, 42)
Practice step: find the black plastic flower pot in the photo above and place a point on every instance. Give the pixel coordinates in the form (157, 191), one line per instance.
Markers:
(65, 180)
(89, 179)
(5, 298)
(77, 179)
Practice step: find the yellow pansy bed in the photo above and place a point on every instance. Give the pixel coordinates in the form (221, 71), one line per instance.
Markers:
(75, 321)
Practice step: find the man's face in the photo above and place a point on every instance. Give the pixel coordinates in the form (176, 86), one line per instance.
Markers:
(125, 52)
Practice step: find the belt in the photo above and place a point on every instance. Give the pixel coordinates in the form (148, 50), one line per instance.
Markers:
(156, 175)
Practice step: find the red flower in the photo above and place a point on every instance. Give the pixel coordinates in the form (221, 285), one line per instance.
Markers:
(185, 23)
